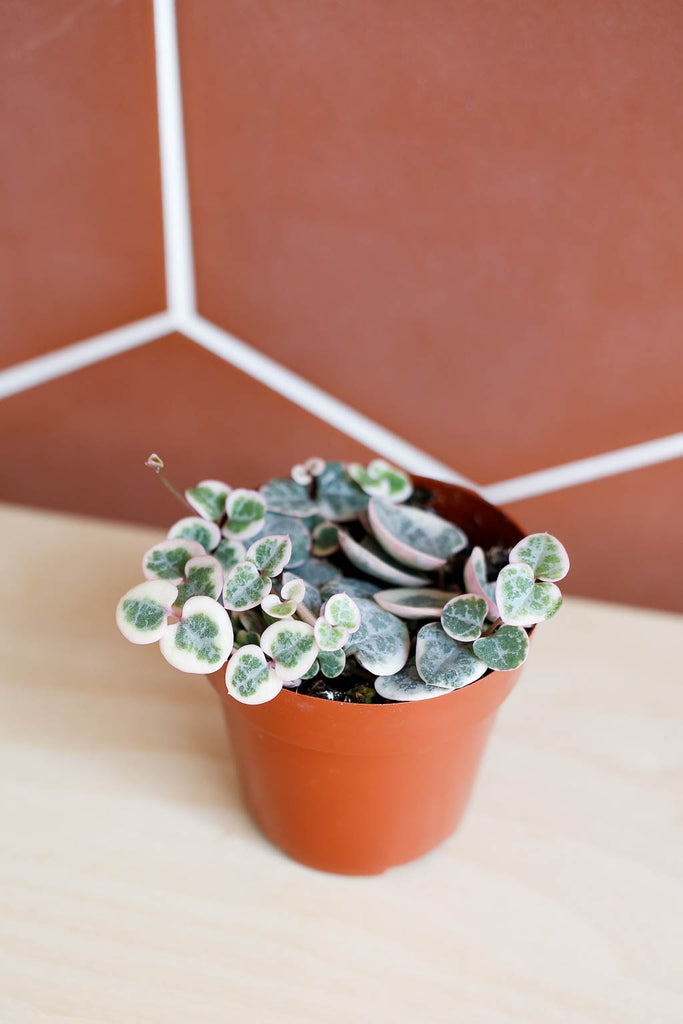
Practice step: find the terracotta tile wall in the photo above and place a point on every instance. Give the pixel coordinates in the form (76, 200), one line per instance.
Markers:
(463, 220)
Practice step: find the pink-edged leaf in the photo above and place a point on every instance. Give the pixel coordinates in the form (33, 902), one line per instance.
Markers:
(325, 538)
(375, 562)
(474, 577)
(291, 644)
(382, 480)
(203, 578)
(288, 498)
(463, 616)
(407, 685)
(382, 644)
(523, 602)
(342, 610)
(293, 589)
(202, 641)
(249, 678)
(246, 512)
(208, 498)
(270, 554)
(504, 650)
(276, 608)
(545, 554)
(300, 475)
(244, 587)
(413, 602)
(442, 661)
(167, 560)
(328, 637)
(203, 531)
(142, 613)
(413, 536)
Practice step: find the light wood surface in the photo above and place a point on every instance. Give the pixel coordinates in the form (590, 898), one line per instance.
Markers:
(136, 891)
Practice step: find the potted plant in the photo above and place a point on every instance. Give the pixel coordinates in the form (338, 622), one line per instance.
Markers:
(361, 629)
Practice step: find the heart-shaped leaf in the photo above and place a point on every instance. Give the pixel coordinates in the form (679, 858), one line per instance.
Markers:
(244, 587)
(229, 553)
(339, 497)
(277, 609)
(413, 602)
(248, 677)
(382, 480)
(288, 497)
(342, 610)
(544, 553)
(202, 642)
(203, 577)
(167, 560)
(293, 589)
(413, 536)
(300, 475)
(505, 649)
(475, 580)
(522, 601)
(246, 514)
(325, 539)
(463, 617)
(208, 498)
(406, 685)
(203, 531)
(292, 646)
(270, 554)
(311, 600)
(349, 585)
(328, 637)
(442, 661)
(295, 529)
(382, 643)
(142, 612)
(332, 663)
(369, 558)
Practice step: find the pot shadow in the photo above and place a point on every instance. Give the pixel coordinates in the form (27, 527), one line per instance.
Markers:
(110, 714)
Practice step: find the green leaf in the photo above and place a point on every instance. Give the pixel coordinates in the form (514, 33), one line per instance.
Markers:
(382, 642)
(202, 642)
(325, 539)
(312, 671)
(203, 577)
(244, 587)
(369, 558)
(505, 649)
(249, 679)
(544, 553)
(339, 497)
(330, 638)
(442, 661)
(332, 663)
(413, 536)
(521, 601)
(474, 576)
(167, 560)
(413, 602)
(201, 530)
(292, 646)
(382, 480)
(246, 514)
(463, 617)
(406, 685)
(229, 553)
(270, 554)
(288, 498)
(208, 498)
(142, 612)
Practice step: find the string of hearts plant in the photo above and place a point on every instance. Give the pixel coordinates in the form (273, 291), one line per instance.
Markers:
(337, 581)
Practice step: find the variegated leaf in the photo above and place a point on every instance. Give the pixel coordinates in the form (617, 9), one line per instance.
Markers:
(167, 560)
(406, 685)
(317, 572)
(293, 589)
(331, 663)
(325, 539)
(371, 559)
(442, 661)
(463, 617)
(522, 601)
(382, 480)
(246, 514)
(342, 610)
(292, 646)
(349, 585)
(413, 536)
(311, 599)
(142, 613)
(505, 649)
(244, 587)
(329, 638)
(475, 580)
(288, 497)
(340, 499)
(414, 602)
(203, 577)
(277, 609)
(203, 531)
(202, 641)
(229, 553)
(544, 553)
(270, 554)
(295, 529)
(208, 499)
(248, 677)
(382, 642)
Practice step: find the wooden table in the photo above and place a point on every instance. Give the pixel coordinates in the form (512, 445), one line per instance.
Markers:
(136, 890)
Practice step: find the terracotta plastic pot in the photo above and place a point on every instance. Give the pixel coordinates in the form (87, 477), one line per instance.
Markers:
(357, 788)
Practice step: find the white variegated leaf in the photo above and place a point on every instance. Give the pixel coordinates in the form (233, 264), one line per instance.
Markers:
(476, 583)
(406, 685)
(463, 617)
(442, 661)
(167, 560)
(370, 559)
(202, 641)
(248, 677)
(246, 512)
(505, 649)
(382, 642)
(545, 554)
(195, 528)
(291, 644)
(413, 536)
(521, 601)
(413, 602)
(208, 499)
(142, 613)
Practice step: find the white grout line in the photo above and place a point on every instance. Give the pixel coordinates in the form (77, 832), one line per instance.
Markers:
(316, 401)
(83, 353)
(622, 460)
(179, 261)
